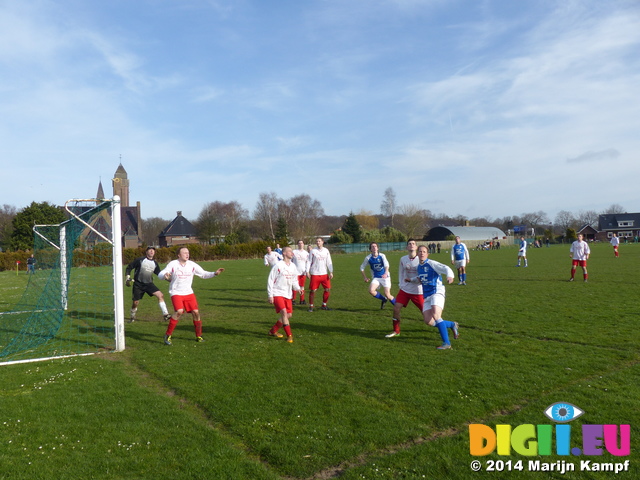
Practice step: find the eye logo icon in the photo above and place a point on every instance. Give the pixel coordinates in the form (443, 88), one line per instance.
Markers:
(562, 412)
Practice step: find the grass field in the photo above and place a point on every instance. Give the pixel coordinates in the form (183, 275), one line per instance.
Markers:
(342, 401)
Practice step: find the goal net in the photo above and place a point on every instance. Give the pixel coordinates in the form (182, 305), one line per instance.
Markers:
(72, 304)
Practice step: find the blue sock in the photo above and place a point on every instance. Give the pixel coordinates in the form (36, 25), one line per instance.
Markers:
(444, 333)
(393, 302)
(379, 296)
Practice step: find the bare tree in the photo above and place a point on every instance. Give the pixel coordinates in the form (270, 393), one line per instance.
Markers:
(220, 219)
(564, 220)
(388, 206)
(413, 220)
(304, 215)
(588, 217)
(535, 219)
(266, 214)
(615, 208)
(151, 228)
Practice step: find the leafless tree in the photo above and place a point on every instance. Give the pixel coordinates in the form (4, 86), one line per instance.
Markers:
(266, 214)
(413, 220)
(564, 220)
(587, 217)
(151, 228)
(615, 208)
(388, 206)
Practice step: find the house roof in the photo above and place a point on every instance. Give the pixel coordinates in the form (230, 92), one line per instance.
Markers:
(179, 226)
(611, 221)
(465, 233)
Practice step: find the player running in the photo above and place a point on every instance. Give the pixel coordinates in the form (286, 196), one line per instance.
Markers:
(282, 279)
(380, 271)
(460, 258)
(180, 273)
(429, 272)
(144, 269)
(409, 292)
(320, 272)
(579, 252)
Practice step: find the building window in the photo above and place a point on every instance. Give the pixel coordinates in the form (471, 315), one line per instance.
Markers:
(627, 223)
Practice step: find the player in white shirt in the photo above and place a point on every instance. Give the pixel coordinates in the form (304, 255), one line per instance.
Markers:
(271, 258)
(460, 259)
(579, 253)
(320, 271)
(522, 253)
(180, 273)
(615, 241)
(409, 292)
(283, 278)
(379, 266)
(300, 260)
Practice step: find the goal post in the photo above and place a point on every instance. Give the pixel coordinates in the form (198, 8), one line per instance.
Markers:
(73, 304)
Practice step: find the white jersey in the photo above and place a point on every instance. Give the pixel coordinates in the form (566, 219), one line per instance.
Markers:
(300, 259)
(409, 269)
(272, 258)
(182, 276)
(615, 241)
(320, 261)
(580, 250)
(282, 278)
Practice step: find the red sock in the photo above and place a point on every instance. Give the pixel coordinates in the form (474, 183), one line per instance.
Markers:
(276, 327)
(302, 297)
(396, 325)
(586, 275)
(325, 297)
(172, 325)
(287, 330)
(197, 324)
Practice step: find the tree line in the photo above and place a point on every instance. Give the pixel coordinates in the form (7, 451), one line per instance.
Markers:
(276, 219)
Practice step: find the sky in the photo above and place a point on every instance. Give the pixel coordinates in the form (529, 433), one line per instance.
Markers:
(480, 108)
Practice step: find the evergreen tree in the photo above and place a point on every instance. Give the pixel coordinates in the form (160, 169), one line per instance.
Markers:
(352, 228)
(282, 231)
(35, 214)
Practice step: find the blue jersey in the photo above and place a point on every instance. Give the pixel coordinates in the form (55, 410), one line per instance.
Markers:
(459, 251)
(377, 264)
(429, 274)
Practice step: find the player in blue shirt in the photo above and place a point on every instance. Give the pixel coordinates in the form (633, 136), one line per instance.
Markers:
(380, 271)
(429, 275)
(522, 253)
(460, 258)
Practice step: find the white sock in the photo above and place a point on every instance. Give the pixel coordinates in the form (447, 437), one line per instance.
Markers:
(163, 307)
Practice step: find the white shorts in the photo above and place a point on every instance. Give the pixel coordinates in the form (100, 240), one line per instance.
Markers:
(460, 263)
(522, 254)
(383, 282)
(436, 299)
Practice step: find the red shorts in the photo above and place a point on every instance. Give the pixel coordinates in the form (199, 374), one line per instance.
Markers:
(582, 263)
(282, 303)
(317, 280)
(188, 303)
(301, 280)
(404, 298)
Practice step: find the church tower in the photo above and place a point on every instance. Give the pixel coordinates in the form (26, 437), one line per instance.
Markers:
(121, 186)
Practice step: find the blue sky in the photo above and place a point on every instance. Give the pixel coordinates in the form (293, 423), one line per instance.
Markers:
(479, 108)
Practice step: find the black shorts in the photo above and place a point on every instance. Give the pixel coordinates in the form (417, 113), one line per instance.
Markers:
(139, 289)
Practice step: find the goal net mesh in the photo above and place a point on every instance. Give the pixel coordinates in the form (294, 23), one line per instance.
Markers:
(68, 305)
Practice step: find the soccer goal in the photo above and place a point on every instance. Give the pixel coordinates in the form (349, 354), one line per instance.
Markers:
(73, 303)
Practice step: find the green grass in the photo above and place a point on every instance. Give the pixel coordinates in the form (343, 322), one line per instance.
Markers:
(342, 400)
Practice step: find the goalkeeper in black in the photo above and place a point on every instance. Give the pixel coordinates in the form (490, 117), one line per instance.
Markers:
(145, 268)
